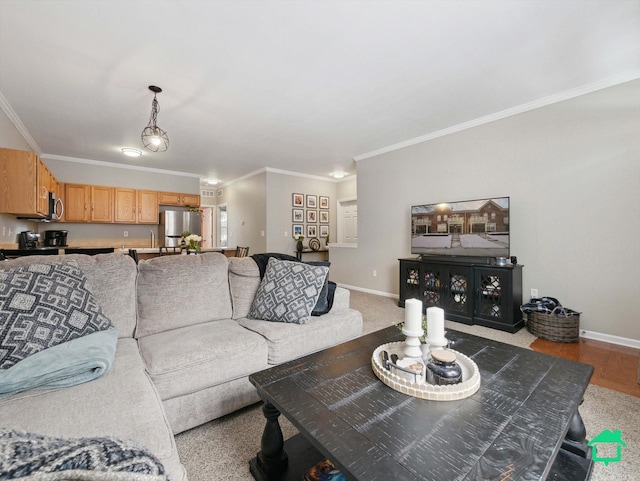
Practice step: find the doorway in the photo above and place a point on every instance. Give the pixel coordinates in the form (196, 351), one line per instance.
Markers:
(221, 226)
(347, 225)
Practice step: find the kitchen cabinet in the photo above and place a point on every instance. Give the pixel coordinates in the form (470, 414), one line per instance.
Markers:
(101, 204)
(136, 206)
(88, 203)
(77, 205)
(173, 198)
(25, 183)
(469, 292)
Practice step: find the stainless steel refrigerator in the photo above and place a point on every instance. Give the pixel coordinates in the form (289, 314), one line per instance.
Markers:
(175, 222)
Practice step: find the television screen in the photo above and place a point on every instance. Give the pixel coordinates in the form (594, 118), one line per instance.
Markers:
(477, 228)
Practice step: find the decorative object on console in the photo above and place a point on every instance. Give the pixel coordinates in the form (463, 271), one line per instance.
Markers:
(153, 137)
(314, 244)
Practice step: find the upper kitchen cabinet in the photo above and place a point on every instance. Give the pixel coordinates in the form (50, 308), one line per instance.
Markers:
(136, 206)
(77, 198)
(88, 203)
(173, 198)
(25, 183)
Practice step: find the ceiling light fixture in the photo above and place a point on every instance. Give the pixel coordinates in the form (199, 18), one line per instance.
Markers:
(131, 152)
(212, 181)
(153, 137)
(338, 174)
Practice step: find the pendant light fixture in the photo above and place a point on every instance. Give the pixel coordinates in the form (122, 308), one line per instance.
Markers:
(153, 137)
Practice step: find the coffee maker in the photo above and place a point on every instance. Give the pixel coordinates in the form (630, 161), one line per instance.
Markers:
(28, 240)
(55, 238)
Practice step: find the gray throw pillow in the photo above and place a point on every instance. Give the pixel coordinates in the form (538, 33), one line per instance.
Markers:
(43, 305)
(288, 291)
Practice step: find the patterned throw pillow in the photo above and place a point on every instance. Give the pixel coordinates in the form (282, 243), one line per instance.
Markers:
(288, 291)
(42, 305)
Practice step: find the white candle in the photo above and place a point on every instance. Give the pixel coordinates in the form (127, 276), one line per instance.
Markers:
(435, 323)
(413, 315)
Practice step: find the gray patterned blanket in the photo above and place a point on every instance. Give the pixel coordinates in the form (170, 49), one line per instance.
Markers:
(33, 457)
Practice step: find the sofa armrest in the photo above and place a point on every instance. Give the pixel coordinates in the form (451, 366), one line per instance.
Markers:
(340, 300)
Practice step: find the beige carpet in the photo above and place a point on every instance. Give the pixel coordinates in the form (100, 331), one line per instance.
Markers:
(220, 450)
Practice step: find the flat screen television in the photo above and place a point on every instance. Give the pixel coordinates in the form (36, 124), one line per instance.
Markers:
(474, 228)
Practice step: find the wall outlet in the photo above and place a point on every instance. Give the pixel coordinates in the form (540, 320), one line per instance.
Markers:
(375, 273)
(286, 234)
(126, 233)
(534, 293)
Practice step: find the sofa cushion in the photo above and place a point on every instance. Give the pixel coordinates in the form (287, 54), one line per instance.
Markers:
(186, 360)
(288, 341)
(288, 291)
(123, 404)
(111, 278)
(43, 305)
(179, 291)
(244, 280)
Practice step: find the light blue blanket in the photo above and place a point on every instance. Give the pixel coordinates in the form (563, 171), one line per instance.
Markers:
(73, 362)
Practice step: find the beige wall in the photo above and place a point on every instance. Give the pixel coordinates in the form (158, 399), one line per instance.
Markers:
(280, 188)
(246, 212)
(572, 171)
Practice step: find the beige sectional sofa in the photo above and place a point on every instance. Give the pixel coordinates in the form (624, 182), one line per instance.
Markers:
(185, 350)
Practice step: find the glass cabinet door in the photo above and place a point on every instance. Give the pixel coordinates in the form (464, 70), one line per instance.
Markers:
(491, 294)
(432, 278)
(410, 280)
(458, 296)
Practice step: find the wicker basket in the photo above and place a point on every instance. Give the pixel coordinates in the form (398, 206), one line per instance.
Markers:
(554, 327)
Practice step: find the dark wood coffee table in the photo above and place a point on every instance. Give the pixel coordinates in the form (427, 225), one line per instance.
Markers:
(523, 423)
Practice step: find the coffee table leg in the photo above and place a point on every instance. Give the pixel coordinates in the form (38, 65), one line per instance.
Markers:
(272, 460)
(576, 439)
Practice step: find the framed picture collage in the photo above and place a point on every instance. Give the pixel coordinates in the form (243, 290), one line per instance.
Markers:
(310, 216)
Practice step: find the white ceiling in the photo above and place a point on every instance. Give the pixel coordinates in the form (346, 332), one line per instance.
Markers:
(302, 86)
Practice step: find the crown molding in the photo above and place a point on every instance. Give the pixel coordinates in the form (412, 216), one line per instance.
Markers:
(536, 104)
(15, 120)
(308, 176)
(102, 163)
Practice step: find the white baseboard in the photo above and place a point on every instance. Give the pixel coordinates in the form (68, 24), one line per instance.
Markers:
(596, 336)
(370, 291)
(600, 336)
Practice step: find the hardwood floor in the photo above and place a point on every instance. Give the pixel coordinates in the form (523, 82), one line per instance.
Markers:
(615, 367)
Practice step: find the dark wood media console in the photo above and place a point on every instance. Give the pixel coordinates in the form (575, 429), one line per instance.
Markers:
(470, 292)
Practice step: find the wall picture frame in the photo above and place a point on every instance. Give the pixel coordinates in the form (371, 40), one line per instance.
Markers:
(324, 231)
(312, 216)
(324, 216)
(297, 230)
(312, 231)
(312, 201)
(324, 202)
(297, 200)
(297, 215)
